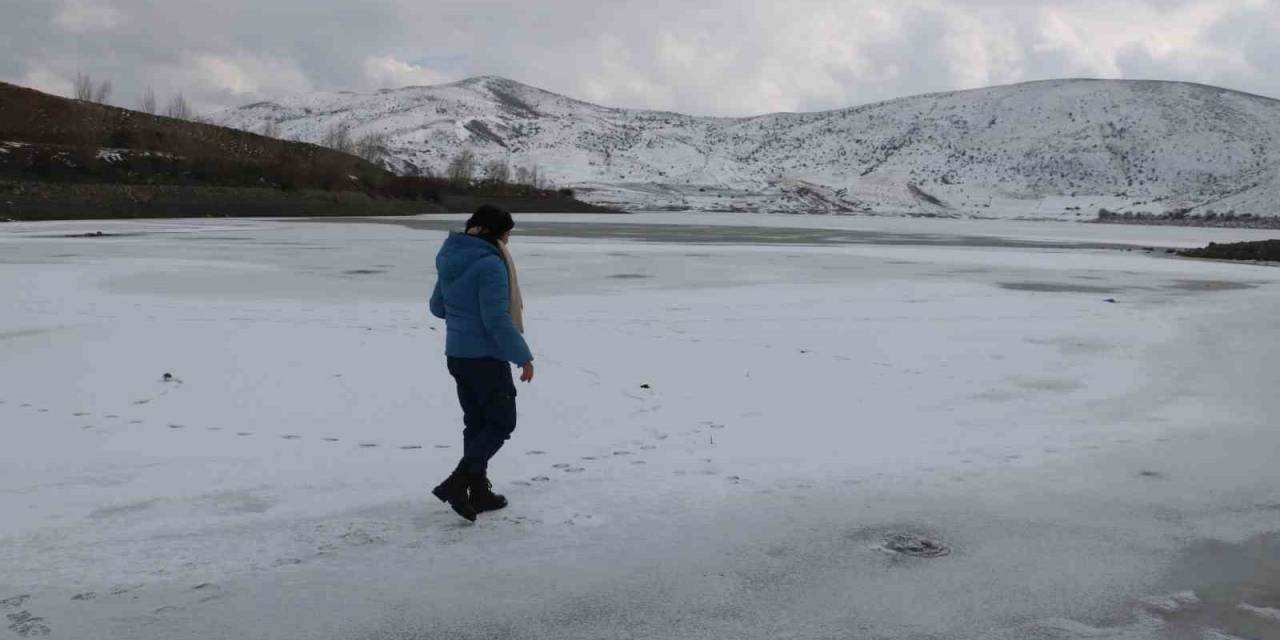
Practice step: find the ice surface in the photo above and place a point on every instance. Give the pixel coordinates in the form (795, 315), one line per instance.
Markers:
(715, 446)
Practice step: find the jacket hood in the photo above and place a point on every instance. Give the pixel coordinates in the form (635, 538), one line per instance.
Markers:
(459, 252)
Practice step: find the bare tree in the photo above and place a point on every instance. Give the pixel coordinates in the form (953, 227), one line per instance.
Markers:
(179, 108)
(462, 169)
(84, 87)
(522, 175)
(338, 138)
(271, 128)
(497, 171)
(103, 92)
(372, 146)
(148, 102)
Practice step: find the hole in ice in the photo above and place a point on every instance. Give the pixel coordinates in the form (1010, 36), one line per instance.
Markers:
(919, 546)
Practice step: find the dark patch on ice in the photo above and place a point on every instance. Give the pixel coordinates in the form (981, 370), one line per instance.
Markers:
(175, 426)
(290, 437)
(540, 479)
(443, 446)
(1223, 576)
(123, 509)
(363, 272)
(368, 445)
(1146, 473)
(915, 545)
(88, 595)
(560, 465)
(1054, 385)
(1056, 287)
(411, 446)
(1209, 285)
(330, 439)
(629, 276)
(244, 433)
(535, 452)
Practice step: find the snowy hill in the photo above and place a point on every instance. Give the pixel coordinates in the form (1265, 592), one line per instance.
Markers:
(1060, 148)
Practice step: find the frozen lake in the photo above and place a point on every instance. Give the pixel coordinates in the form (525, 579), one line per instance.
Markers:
(732, 414)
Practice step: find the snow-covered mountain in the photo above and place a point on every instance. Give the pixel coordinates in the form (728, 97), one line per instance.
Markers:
(1059, 148)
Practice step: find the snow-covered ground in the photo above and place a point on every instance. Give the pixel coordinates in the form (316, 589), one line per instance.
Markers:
(1098, 469)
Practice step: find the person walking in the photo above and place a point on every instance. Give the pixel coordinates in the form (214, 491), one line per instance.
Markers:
(478, 296)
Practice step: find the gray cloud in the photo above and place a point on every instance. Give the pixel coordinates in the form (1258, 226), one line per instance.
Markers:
(724, 57)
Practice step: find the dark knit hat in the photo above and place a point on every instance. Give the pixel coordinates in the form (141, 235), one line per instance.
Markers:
(494, 220)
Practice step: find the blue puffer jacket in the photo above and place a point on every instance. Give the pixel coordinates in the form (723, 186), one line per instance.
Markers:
(473, 297)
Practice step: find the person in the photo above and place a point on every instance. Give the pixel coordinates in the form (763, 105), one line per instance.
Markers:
(478, 296)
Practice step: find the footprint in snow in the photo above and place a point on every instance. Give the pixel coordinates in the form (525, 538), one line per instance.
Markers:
(15, 601)
(26, 625)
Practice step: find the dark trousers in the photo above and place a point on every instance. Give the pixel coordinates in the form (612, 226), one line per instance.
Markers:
(488, 397)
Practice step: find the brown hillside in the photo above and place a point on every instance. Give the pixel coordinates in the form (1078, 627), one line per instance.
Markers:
(27, 115)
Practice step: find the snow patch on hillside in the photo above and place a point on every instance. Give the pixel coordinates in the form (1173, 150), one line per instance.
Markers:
(1050, 149)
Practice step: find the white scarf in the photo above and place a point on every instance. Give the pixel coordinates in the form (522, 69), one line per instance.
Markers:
(516, 301)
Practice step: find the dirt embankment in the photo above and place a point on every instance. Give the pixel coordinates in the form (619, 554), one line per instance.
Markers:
(1258, 251)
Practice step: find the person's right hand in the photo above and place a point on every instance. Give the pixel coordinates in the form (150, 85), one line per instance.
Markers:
(526, 372)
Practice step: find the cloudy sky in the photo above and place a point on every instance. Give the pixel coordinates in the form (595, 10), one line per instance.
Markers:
(716, 57)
